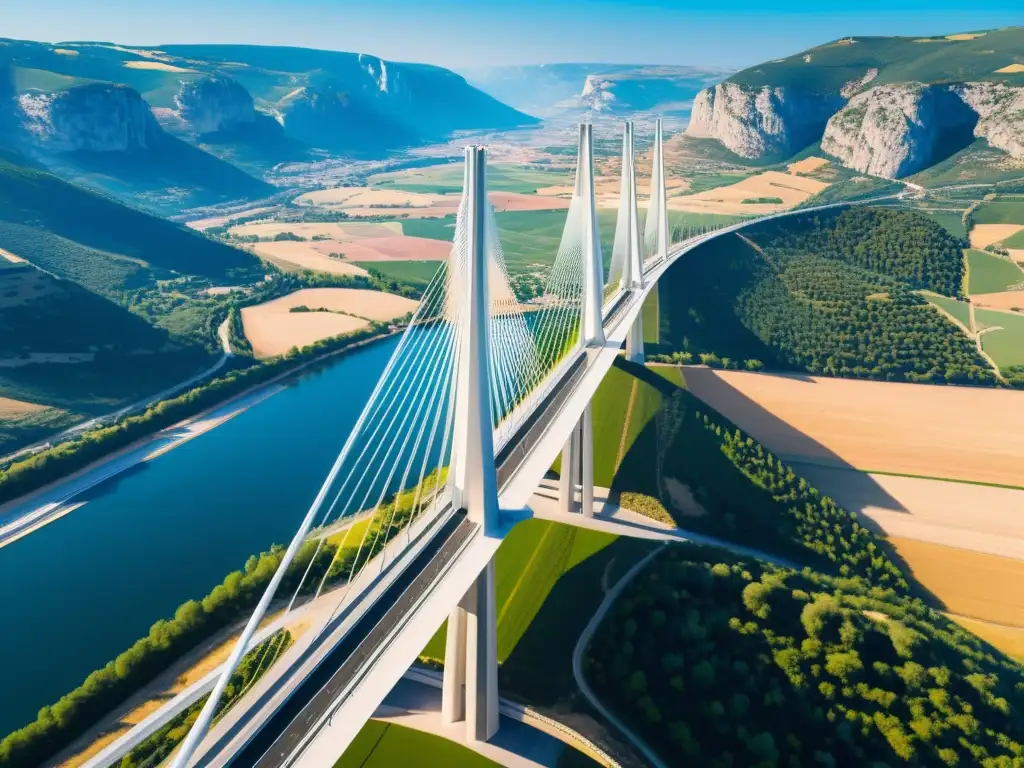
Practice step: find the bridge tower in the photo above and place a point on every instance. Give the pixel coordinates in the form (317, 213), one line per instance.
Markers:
(633, 273)
(578, 455)
(591, 320)
(656, 235)
(470, 689)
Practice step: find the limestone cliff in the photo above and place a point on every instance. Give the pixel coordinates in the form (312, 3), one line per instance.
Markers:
(1000, 110)
(99, 117)
(757, 122)
(214, 104)
(897, 130)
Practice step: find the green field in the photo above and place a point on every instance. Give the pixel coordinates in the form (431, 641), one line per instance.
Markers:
(549, 583)
(386, 745)
(436, 229)
(1006, 346)
(961, 310)
(951, 221)
(977, 163)
(442, 179)
(989, 273)
(651, 317)
(1015, 241)
(999, 211)
(420, 272)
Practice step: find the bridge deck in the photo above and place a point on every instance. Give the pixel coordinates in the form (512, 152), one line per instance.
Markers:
(311, 704)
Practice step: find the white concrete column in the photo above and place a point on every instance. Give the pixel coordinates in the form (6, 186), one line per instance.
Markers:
(482, 659)
(633, 271)
(587, 464)
(474, 482)
(453, 689)
(470, 687)
(569, 477)
(658, 188)
(591, 322)
(635, 340)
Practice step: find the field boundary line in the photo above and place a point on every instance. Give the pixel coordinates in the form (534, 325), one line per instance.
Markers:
(625, 427)
(792, 459)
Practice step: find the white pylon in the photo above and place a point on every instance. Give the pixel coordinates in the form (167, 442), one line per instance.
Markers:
(577, 468)
(591, 321)
(470, 686)
(470, 689)
(658, 239)
(474, 482)
(633, 269)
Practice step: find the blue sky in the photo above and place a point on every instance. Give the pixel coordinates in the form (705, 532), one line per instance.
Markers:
(464, 35)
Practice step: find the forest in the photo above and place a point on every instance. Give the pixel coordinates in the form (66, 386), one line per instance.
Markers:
(826, 294)
(722, 661)
(750, 496)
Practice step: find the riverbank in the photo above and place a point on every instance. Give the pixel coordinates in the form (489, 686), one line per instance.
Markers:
(30, 512)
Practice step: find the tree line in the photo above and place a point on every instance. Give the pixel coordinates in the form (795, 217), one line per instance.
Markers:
(751, 496)
(328, 561)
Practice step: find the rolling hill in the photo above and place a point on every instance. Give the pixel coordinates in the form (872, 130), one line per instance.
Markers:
(249, 105)
(887, 106)
(97, 242)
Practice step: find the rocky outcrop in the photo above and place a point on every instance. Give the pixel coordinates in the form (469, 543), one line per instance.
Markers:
(98, 117)
(897, 130)
(214, 104)
(758, 122)
(597, 95)
(1000, 110)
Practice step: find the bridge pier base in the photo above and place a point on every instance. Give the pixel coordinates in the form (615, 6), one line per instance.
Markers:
(577, 475)
(470, 688)
(635, 340)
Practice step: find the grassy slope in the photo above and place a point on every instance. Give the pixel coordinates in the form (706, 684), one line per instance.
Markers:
(97, 242)
(383, 745)
(951, 221)
(898, 59)
(549, 580)
(989, 273)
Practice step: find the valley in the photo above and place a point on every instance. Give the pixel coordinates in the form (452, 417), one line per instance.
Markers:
(838, 389)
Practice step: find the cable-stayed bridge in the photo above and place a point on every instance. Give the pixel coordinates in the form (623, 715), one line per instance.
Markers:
(478, 399)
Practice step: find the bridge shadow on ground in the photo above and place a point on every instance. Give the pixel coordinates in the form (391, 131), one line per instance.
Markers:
(711, 480)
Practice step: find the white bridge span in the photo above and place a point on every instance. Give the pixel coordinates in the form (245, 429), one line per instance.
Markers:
(469, 416)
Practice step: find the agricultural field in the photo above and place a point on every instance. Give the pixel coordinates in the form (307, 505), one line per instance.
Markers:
(951, 221)
(747, 197)
(991, 273)
(1000, 211)
(977, 586)
(447, 179)
(959, 433)
(1006, 346)
(295, 257)
(990, 234)
(311, 314)
(384, 745)
(419, 272)
(961, 310)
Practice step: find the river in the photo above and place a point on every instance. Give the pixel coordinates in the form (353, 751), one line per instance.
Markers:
(80, 590)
